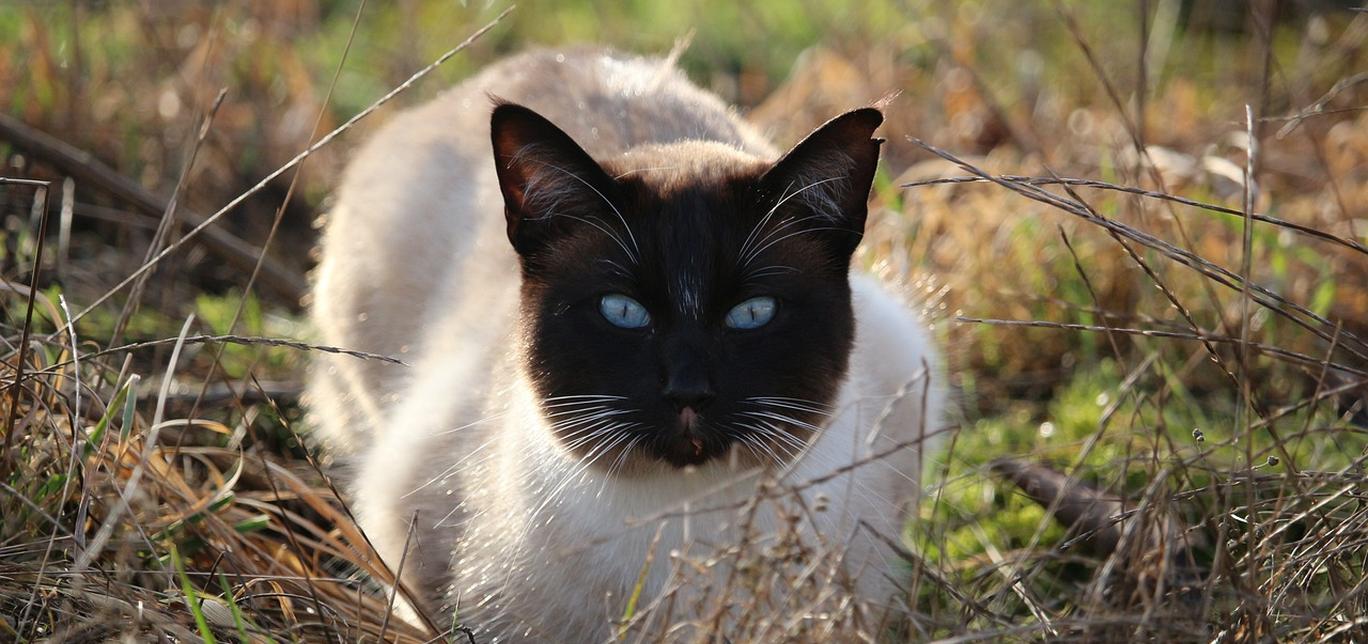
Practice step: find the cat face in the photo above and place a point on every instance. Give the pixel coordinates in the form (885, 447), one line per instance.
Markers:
(684, 302)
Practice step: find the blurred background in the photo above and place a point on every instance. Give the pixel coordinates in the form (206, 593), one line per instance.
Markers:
(117, 103)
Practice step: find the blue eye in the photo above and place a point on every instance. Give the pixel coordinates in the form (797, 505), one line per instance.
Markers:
(624, 312)
(751, 314)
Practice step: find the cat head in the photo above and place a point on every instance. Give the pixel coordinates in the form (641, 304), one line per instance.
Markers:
(684, 302)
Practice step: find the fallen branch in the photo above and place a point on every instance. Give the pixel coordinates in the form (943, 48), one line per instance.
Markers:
(282, 393)
(1081, 508)
(1096, 519)
(84, 167)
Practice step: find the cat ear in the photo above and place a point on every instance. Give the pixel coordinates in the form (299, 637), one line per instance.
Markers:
(829, 173)
(542, 173)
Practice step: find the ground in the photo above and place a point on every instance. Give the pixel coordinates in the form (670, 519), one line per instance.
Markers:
(1138, 229)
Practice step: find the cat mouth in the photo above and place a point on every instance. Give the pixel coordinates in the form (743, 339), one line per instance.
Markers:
(690, 424)
(689, 450)
(690, 442)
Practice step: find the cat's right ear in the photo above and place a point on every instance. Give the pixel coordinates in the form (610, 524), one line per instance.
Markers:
(548, 181)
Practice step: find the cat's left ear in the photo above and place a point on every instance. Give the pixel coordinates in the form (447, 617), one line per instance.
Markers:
(549, 182)
(829, 175)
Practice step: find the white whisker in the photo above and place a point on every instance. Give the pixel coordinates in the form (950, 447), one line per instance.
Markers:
(795, 234)
(776, 441)
(769, 234)
(479, 450)
(766, 271)
(582, 397)
(782, 419)
(796, 404)
(784, 199)
(635, 257)
(778, 434)
(453, 430)
(618, 462)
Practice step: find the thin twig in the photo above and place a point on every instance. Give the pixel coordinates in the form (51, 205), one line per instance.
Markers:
(244, 340)
(1287, 354)
(24, 335)
(164, 225)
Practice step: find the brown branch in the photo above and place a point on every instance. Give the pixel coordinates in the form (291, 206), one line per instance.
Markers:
(1096, 520)
(1077, 506)
(284, 393)
(83, 166)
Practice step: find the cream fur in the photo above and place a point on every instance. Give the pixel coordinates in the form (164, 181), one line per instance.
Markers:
(416, 264)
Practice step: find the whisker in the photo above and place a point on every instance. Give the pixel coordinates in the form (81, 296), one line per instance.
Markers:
(785, 398)
(584, 436)
(451, 468)
(766, 271)
(781, 418)
(615, 435)
(594, 408)
(618, 268)
(769, 234)
(583, 396)
(575, 473)
(794, 404)
(569, 419)
(572, 421)
(790, 235)
(453, 430)
(618, 463)
(591, 221)
(571, 430)
(781, 435)
(760, 224)
(746, 244)
(776, 441)
(749, 442)
(634, 257)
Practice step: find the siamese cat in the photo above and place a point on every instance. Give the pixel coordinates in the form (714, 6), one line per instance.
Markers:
(629, 323)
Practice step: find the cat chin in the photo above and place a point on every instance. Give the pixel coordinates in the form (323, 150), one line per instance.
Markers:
(641, 463)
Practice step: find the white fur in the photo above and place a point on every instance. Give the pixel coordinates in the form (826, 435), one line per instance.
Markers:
(533, 547)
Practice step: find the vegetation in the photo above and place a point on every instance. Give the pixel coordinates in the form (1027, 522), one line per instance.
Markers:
(1139, 228)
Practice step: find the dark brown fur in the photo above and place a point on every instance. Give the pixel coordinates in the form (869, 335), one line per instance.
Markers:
(689, 244)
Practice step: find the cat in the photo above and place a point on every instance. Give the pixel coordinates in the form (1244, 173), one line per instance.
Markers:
(627, 319)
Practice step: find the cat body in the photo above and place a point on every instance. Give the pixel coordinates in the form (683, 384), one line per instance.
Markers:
(522, 454)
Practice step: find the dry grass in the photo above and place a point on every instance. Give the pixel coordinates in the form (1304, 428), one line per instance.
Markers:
(150, 538)
(1121, 303)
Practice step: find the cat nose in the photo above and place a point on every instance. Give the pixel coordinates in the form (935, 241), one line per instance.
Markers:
(688, 393)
